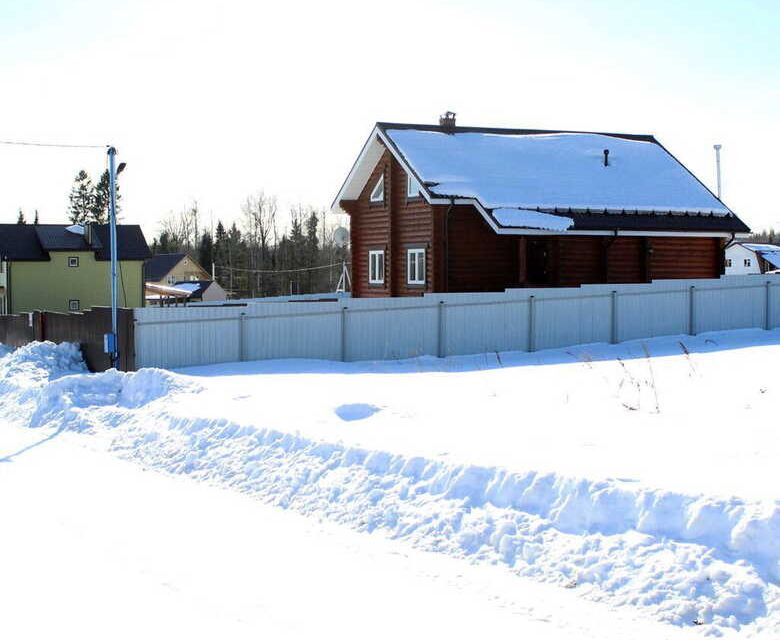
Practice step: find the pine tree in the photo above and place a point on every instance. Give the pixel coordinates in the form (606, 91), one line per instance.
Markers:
(81, 199)
(206, 251)
(21, 219)
(102, 199)
(35, 220)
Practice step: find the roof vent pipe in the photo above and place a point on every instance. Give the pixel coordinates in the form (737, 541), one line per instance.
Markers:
(447, 121)
(606, 157)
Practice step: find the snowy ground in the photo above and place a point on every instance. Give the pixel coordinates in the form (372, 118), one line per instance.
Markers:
(94, 547)
(629, 485)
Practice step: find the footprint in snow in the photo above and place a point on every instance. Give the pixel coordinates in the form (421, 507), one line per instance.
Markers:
(358, 411)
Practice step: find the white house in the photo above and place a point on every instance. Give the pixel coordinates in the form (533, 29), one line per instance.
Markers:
(744, 258)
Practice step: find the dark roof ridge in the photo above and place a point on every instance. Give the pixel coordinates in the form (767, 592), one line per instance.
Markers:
(645, 137)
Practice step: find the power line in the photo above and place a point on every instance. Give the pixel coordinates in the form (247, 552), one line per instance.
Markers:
(272, 271)
(25, 143)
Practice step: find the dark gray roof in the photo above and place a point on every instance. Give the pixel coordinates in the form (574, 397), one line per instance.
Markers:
(159, 265)
(130, 240)
(34, 242)
(56, 237)
(20, 242)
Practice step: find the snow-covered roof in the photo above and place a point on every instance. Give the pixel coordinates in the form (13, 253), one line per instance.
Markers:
(769, 252)
(530, 171)
(560, 170)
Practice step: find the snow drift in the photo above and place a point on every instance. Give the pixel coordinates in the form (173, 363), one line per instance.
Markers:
(690, 559)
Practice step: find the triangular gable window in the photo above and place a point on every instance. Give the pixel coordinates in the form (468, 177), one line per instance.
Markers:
(378, 194)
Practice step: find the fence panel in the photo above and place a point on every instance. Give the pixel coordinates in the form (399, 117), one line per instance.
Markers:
(649, 313)
(729, 307)
(562, 321)
(452, 324)
(390, 333)
(481, 327)
(184, 337)
(292, 331)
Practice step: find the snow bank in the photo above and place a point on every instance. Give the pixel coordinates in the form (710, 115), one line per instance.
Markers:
(47, 384)
(690, 559)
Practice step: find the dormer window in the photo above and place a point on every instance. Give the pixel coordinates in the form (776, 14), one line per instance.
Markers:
(412, 186)
(378, 194)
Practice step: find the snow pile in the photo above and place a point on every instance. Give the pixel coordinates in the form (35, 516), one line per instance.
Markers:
(690, 558)
(531, 219)
(47, 384)
(553, 170)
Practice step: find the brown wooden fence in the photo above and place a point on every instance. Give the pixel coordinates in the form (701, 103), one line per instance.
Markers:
(84, 328)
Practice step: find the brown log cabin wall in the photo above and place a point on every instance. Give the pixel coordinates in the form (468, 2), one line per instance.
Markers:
(398, 224)
(478, 259)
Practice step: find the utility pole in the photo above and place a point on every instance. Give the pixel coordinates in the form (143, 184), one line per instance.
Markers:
(110, 340)
(717, 165)
(113, 346)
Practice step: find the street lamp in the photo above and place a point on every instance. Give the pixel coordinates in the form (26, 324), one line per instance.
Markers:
(110, 341)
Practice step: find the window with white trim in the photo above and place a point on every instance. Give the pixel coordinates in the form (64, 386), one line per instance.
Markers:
(378, 194)
(747, 262)
(171, 280)
(728, 262)
(412, 186)
(74, 305)
(376, 267)
(73, 261)
(415, 266)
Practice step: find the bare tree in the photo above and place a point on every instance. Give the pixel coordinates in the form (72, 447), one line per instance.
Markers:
(259, 213)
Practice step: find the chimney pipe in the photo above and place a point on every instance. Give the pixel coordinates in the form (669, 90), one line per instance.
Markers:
(717, 165)
(606, 157)
(447, 121)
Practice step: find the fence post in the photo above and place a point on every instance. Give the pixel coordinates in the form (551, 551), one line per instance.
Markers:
(614, 333)
(440, 345)
(531, 324)
(692, 311)
(343, 334)
(767, 307)
(241, 354)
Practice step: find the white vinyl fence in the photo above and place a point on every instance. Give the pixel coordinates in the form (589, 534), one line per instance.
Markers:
(452, 324)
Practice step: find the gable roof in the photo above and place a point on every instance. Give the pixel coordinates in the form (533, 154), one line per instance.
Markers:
(57, 237)
(160, 264)
(514, 175)
(20, 242)
(769, 252)
(130, 241)
(29, 242)
(196, 288)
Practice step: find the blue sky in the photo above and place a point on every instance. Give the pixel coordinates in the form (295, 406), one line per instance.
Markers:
(215, 101)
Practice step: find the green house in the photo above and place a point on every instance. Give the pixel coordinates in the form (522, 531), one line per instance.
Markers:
(57, 267)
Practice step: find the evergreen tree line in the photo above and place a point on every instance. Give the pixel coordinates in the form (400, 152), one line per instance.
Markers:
(251, 258)
(767, 236)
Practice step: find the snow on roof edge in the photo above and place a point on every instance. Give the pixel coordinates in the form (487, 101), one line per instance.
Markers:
(527, 219)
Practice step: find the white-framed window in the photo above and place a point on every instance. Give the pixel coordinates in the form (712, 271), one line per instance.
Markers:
(376, 267)
(74, 305)
(412, 186)
(73, 261)
(728, 262)
(415, 266)
(378, 193)
(747, 262)
(171, 280)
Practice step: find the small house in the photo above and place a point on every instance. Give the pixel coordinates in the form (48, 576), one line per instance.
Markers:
(743, 258)
(58, 267)
(438, 208)
(167, 268)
